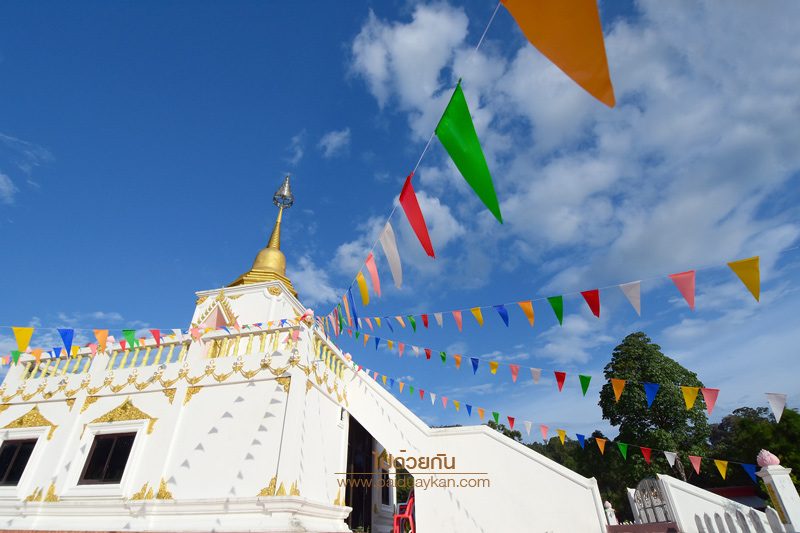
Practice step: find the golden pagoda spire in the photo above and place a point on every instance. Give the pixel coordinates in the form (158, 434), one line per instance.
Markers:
(270, 263)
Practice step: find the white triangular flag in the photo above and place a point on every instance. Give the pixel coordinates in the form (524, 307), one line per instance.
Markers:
(777, 402)
(527, 426)
(433, 397)
(633, 292)
(176, 332)
(536, 373)
(438, 317)
(416, 350)
(389, 245)
(670, 457)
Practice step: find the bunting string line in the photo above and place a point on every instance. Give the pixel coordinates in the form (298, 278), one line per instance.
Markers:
(670, 455)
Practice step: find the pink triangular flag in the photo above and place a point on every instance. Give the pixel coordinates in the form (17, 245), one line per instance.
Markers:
(444, 402)
(633, 292)
(543, 429)
(373, 274)
(514, 372)
(695, 460)
(685, 283)
(710, 396)
(457, 317)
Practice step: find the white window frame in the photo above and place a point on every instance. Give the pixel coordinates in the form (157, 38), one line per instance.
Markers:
(109, 490)
(25, 485)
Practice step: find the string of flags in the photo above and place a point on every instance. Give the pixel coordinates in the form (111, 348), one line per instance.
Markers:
(512, 421)
(777, 401)
(103, 340)
(747, 270)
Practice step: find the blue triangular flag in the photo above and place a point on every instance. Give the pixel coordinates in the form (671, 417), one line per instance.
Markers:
(377, 340)
(581, 439)
(650, 390)
(391, 382)
(227, 330)
(475, 362)
(283, 320)
(66, 336)
(469, 409)
(751, 471)
(388, 323)
(56, 352)
(352, 306)
(501, 310)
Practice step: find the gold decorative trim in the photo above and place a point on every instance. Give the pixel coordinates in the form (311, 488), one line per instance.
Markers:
(222, 302)
(32, 419)
(269, 490)
(163, 492)
(4, 406)
(284, 382)
(275, 291)
(170, 393)
(35, 496)
(293, 490)
(281, 490)
(190, 392)
(70, 403)
(200, 300)
(339, 500)
(145, 493)
(126, 411)
(88, 402)
(51, 493)
(309, 385)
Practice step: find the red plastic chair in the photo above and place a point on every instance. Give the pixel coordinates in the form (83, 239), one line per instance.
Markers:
(405, 514)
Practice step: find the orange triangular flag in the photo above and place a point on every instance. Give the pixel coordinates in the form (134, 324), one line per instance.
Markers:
(601, 443)
(480, 412)
(458, 360)
(37, 354)
(401, 385)
(570, 35)
(493, 366)
(618, 385)
(527, 308)
(102, 336)
(748, 272)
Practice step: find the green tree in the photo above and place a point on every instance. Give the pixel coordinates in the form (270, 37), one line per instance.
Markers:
(510, 433)
(666, 424)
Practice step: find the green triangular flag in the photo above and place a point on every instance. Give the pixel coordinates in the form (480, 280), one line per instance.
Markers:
(557, 303)
(457, 134)
(585, 382)
(623, 449)
(444, 356)
(356, 333)
(130, 336)
(496, 416)
(15, 355)
(413, 323)
(411, 389)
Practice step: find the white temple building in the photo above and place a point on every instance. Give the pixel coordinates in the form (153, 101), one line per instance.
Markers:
(255, 426)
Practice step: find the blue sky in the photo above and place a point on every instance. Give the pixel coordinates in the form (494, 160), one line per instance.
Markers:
(140, 144)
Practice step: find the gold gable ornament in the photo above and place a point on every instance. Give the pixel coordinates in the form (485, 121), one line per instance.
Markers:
(124, 412)
(32, 419)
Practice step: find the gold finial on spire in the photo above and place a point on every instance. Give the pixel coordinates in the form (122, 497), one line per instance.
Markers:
(270, 263)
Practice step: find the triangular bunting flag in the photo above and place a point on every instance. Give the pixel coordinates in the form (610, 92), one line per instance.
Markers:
(481, 412)
(633, 292)
(102, 337)
(710, 396)
(618, 385)
(433, 397)
(408, 200)
(493, 366)
(562, 435)
(23, 337)
(623, 449)
(156, 336)
(560, 378)
(412, 322)
(581, 439)
(601, 443)
(421, 394)
(457, 405)
(389, 245)
(457, 318)
(457, 359)
(444, 401)
(685, 283)
(592, 298)
(424, 320)
(438, 317)
(510, 422)
(475, 362)
(514, 372)
(645, 453)
(476, 312)
(650, 391)
(689, 395)
(527, 308)
(501, 310)
(400, 321)
(777, 403)
(443, 356)
(536, 374)
(15, 356)
(373, 274)
(557, 303)
(369, 323)
(469, 409)
(496, 417)
(67, 334)
(751, 471)
(571, 36)
(696, 461)
(749, 273)
(584, 382)
(457, 134)
(543, 429)
(722, 466)
(671, 456)
(401, 385)
(427, 353)
(362, 287)
(528, 425)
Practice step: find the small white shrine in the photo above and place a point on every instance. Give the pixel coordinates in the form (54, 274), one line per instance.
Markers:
(254, 424)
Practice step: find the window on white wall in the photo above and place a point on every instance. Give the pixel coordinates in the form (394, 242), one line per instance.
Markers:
(14, 456)
(107, 459)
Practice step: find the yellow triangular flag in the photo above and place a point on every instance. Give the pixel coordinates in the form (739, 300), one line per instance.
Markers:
(689, 395)
(476, 312)
(601, 443)
(480, 412)
(527, 308)
(457, 404)
(362, 287)
(23, 336)
(722, 466)
(618, 385)
(378, 321)
(75, 350)
(493, 366)
(383, 378)
(562, 435)
(749, 273)
(390, 344)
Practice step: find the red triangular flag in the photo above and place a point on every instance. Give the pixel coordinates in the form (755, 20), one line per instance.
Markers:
(514, 372)
(511, 422)
(592, 298)
(421, 394)
(710, 396)
(560, 377)
(408, 199)
(427, 353)
(424, 320)
(695, 460)
(646, 454)
(157, 336)
(685, 283)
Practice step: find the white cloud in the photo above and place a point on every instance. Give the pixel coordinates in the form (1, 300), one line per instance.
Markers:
(312, 282)
(335, 142)
(7, 189)
(573, 342)
(296, 148)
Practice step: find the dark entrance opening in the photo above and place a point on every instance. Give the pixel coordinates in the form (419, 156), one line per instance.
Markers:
(358, 493)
